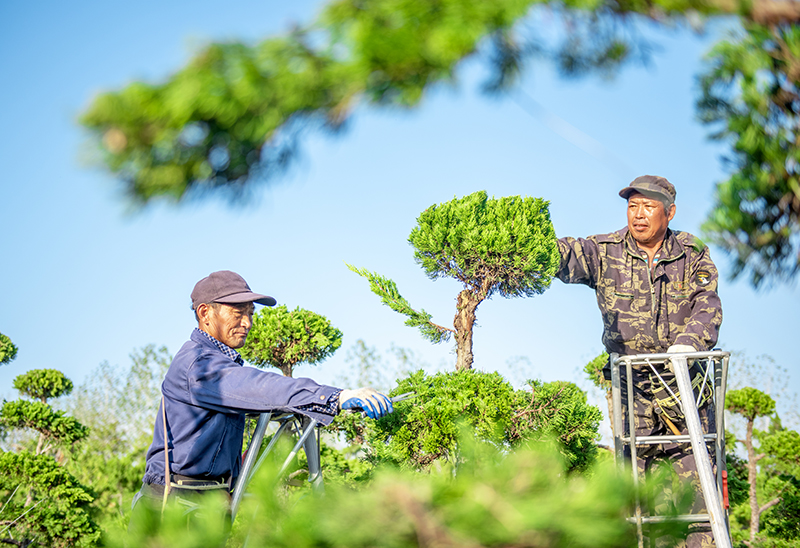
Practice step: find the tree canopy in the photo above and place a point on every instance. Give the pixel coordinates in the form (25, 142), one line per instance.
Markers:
(236, 114)
(43, 384)
(750, 94)
(8, 351)
(284, 338)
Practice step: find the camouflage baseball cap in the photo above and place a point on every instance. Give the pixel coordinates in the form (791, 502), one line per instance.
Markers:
(650, 186)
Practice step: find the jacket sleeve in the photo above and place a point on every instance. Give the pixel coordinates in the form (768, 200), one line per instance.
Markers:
(580, 261)
(214, 382)
(702, 327)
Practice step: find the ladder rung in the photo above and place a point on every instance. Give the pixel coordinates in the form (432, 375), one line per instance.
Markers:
(688, 518)
(655, 440)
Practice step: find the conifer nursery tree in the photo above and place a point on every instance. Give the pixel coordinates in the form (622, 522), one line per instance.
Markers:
(284, 338)
(39, 500)
(492, 246)
(752, 403)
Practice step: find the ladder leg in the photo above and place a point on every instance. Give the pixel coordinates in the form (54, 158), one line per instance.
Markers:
(312, 448)
(247, 467)
(700, 452)
(616, 408)
(634, 452)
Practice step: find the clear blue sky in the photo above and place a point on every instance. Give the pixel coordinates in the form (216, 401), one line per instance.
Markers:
(83, 281)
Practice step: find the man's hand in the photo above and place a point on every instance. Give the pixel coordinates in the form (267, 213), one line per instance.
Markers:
(680, 349)
(372, 402)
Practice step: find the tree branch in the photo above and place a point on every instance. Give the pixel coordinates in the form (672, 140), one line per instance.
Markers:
(772, 12)
(769, 505)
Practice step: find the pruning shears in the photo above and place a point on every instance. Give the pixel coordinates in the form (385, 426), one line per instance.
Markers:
(402, 397)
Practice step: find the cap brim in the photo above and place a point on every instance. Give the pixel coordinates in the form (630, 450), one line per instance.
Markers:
(247, 297)
(628, 190)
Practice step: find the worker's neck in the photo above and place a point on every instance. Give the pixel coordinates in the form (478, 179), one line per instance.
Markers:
(650, 250)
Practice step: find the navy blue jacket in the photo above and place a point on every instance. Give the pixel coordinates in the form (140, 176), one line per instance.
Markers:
(206, 395)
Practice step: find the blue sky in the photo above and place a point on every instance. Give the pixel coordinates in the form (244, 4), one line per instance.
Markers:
(85, 281)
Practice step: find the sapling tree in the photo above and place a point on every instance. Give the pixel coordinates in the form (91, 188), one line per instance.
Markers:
(41, 501)
(492, 246)
(284, 338)
(751, 404)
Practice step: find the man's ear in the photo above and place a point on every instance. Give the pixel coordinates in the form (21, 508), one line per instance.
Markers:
(203, 311)
(671, 212)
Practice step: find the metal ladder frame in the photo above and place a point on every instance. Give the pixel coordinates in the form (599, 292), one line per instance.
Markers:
(717, 366)
(305, 427)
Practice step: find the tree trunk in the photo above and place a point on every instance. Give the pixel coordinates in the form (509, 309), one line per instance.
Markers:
(464, 321)
(610, 402)
(752, 472)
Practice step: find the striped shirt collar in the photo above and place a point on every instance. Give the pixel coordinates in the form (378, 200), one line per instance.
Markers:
(224, 348)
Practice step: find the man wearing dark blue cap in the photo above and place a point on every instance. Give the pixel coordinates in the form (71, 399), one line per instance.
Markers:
(198, 435)
(657, 292)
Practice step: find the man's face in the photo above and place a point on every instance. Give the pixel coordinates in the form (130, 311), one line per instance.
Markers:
(228, 323)
(647, 220)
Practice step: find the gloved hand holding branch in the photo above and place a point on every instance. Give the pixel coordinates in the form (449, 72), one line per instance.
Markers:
(372, 402)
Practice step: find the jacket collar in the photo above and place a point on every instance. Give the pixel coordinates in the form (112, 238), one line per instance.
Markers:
(671, 248)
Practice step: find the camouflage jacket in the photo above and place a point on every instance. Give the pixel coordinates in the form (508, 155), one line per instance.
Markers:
(643, 314)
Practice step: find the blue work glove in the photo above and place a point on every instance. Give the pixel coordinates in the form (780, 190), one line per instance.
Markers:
(372, 402)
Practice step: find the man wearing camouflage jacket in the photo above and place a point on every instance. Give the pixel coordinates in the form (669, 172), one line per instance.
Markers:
(657, 292)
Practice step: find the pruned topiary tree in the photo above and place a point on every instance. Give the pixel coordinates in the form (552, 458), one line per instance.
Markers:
(751, 404)
(503, 246)
(40, 500)
(283, 338)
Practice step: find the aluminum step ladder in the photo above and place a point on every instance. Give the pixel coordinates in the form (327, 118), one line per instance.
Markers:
(714, 489)
(305, 428)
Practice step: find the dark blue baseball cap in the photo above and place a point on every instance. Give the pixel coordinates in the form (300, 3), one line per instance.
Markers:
(226, 287)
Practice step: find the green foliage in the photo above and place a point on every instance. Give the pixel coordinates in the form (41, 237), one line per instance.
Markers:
(773, 474)
(43, 502)
(341, 466)
(783, 451)
(749, 402)
(559, 411)
(119, 406)
(505, 245)
(54, 425)
(493, 498)
(43, 384)
(8, 351)
(282, 338)
(58, 512)
(594, 371)
(783, 521)
(387, 290)
(737, 479)
(425, 430)
(177, 527)
(750, 93)
(234, 115)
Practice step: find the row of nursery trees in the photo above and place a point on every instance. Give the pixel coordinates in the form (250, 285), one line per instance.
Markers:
(470, 461)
